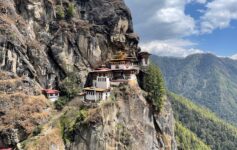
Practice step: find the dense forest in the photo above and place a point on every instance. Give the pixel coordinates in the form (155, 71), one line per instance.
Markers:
(205, 124)
(205, 79)
(187, 140)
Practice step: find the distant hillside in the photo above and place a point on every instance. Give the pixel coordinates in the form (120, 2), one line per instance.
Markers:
(187, 140)
(206, 125)
(204, 78)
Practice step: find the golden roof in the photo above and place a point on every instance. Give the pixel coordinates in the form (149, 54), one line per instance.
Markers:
(120, 55)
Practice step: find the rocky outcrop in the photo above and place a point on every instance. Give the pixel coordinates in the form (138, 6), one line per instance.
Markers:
(126, 121)
(22, 108)
(44, 41)
(47, 39)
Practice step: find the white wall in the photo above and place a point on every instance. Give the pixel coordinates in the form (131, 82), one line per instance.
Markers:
(144, 62)
(53, 97)
(133, 77)
(90, 96)
(103, 82)
(121, 66)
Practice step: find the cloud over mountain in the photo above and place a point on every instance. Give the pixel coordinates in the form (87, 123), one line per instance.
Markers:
(162, 24)
(173, 47)
(234, 57)
(160, 20)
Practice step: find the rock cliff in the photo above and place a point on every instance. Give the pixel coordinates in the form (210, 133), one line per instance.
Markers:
(47, 39)
(22, 108)
(126, 121)
(43, 42)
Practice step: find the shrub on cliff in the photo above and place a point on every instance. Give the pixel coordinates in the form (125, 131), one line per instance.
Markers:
(60, 12)
(70, 11)
(154, 86)
(71, 86)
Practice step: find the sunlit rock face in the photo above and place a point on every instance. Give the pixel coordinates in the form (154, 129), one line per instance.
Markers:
(44, 41)
(127, 123)
(49, 39)
(22, 108)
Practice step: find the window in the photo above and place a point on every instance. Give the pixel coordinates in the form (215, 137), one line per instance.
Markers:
(100, 95)
(146, 61)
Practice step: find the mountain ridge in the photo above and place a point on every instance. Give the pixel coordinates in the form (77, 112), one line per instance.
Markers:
(212, 130)
(206, 79)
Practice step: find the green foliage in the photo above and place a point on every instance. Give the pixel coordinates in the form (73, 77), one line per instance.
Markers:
(154, 86)
(70, 10)
(187, 140)
(60, 12)
(37, 130)
(205, 124)
(123, 134)
(72, 120)
(61, 102)
(71, 86)
(205, 79)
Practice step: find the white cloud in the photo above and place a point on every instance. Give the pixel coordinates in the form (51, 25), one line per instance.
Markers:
(174, 47)
(162, 19)
(234, 57)
(197, 1)
(175, 21)
(219, 14)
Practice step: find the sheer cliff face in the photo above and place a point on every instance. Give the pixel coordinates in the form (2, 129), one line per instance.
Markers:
(127, 123)
(47, 39)
(22, 108)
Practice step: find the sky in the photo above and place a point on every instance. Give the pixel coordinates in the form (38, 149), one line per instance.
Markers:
(183, 27)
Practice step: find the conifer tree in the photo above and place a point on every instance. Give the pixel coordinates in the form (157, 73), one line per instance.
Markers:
(154, 86)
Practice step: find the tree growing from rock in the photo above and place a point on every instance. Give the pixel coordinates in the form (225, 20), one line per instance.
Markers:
(154, 86)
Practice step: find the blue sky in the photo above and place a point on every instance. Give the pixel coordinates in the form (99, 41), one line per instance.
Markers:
(183, 27)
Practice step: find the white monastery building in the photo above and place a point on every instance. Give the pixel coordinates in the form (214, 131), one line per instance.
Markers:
(51, 94)
(101, 85)
(144, 58)
(122, 69)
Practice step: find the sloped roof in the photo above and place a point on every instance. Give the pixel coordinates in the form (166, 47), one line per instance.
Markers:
(101, 70)
(50, 91)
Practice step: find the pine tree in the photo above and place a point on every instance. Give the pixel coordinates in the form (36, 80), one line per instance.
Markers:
(154, 86)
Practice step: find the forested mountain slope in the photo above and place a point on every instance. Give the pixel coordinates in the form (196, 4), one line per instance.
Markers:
(188, 140)
(205, 79)
(205, 124)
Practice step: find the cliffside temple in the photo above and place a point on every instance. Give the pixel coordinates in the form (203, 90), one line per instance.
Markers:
(94, 94)
(51, 94)
(54, 95)
(122, 68)
(144, 58)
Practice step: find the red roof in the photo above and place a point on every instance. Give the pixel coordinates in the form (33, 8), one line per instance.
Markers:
(50, 91)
